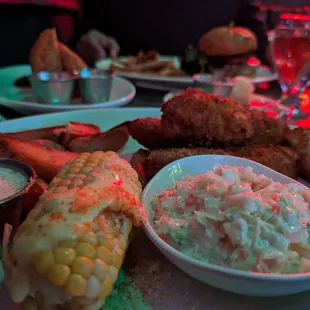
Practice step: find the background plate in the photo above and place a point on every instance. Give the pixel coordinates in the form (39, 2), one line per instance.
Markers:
(264, 74)
(22, 99)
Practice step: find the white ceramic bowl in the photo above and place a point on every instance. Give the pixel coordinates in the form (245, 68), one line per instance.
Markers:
(241, 282)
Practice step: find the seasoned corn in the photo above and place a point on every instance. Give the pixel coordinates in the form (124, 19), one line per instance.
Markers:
(73, 243)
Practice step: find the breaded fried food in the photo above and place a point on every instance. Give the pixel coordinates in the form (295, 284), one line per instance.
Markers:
(44, 55)
(148, 163)
(70, 60)
(267, 130)
(299, 140)
(279, 158)
(147, 131)
(198, 116)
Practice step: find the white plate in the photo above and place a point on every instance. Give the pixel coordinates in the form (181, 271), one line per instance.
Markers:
(22, 99)
(263, 74)
(236, 281)
(105, 119)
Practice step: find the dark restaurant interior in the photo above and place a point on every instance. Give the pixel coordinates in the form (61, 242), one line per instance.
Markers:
(154, 155)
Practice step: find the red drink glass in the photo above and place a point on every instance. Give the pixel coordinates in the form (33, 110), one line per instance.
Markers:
(291, 52)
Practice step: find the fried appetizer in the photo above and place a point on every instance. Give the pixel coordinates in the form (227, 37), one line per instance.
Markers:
(148, 163)
(70, 60)
(68, 252)
(276, 157)
(148, 132)
(267, 130)
(279, 158)
(44, 56)
(198, 116)
(299, 141)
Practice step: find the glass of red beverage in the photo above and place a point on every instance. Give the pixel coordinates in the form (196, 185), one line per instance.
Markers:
(291, 52)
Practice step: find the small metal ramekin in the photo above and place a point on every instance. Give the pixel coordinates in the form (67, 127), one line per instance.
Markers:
(53, 88)
(95, 85)
(11, 208)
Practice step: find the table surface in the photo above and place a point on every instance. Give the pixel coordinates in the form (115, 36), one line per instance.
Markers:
(148, 98)
(162, 285)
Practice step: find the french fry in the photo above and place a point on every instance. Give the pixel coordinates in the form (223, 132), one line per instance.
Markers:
(45, 56)
(148, 64)
(111, 140)
(44, 160)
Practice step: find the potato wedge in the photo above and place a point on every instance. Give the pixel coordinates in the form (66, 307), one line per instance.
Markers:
(44, 160)
(51, 144)
(111, 140)
(47, 133)
(76, 130)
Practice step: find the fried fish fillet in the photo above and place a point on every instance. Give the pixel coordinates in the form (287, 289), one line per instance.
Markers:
(147, 131)
(299, 140)
(266, 130)
(44, 55)
(198, 116)
(279, 158)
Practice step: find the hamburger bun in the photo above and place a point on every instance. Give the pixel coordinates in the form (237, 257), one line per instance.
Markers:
(228, 41)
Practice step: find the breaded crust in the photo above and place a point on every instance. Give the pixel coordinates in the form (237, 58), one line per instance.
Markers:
(44, 55)
(267, 130)
(70, 60)
(279, 158)
(198, 116)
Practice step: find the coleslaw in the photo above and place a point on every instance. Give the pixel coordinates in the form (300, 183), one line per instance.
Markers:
(236, 218)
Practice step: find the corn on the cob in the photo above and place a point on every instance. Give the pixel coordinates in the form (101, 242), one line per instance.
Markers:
(68, 252)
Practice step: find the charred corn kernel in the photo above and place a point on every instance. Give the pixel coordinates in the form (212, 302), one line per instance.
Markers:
(93, 287)
(69, 177)
(106, 287)
(83, 266)
(76, 183)
(85, 249)
(107, 242)
(43, 261)
(101, 269)
(120, 242)
(60, 189)
(68, 243)
(117, 258)
(113, 273)
(59, 274)
(64, 255)
(90, 238)
(76, 285)
(80, 272)
(104, 254)
(64, 183)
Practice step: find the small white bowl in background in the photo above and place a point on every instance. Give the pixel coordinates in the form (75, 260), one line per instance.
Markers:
(240, 282)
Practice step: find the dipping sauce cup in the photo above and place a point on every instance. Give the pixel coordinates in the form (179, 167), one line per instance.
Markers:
(16, 178)
(95, 85)
(53, 88)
